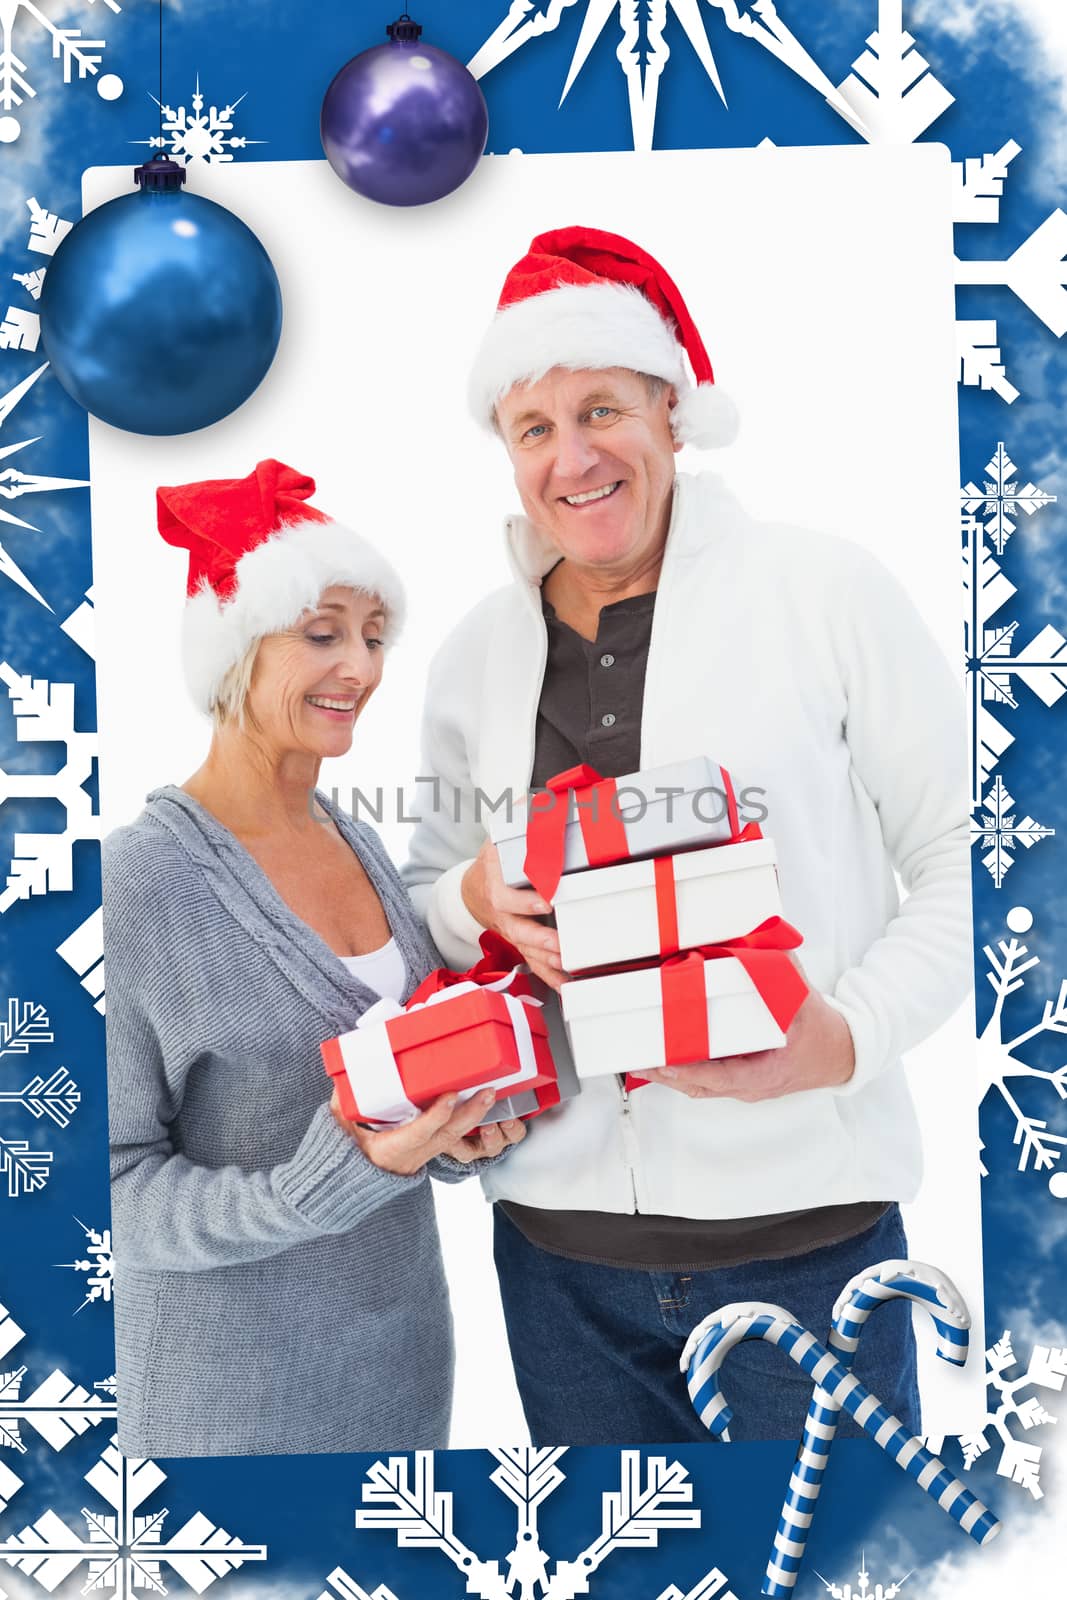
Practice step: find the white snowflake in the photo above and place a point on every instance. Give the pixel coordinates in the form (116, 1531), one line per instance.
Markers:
(22, 327)
(125, 1554)
(47, 231)
(57, 1410)
(1000, 499)
(863, 1589)
(643, 51)
(98, 1262)
(81, 625)
(77, 54)
(999, 831)
(32, 282)
(978, 359)
(22, 1168)
(340, 1584)
(45, 712)
(1018, 1461)
(994, 662)
(51, 1095)
(891, 87)
(891, 96)
(56, 1097)
(84, 951)
(25, 1025)
(978, 184)
(195, 136)
(1009, 964)
(653, 1496)
(1034, 272)
(14, 483)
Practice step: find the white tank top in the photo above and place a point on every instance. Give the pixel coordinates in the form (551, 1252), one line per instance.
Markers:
(381, 970)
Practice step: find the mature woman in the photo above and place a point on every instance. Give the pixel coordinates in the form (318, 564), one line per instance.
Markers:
(280, 1285)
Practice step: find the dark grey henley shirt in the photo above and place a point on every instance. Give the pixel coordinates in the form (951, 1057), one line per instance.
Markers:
(590, 711)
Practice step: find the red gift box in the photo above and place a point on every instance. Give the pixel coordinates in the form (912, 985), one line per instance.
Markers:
(398, 1060)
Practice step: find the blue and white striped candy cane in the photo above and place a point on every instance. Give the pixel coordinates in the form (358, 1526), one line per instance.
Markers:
(711, 1342)
(888, 1280)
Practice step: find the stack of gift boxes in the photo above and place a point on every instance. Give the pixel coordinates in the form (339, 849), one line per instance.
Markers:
(668, 913)
(670, 930)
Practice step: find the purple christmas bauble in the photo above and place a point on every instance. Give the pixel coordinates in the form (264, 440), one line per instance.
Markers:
(404, 123)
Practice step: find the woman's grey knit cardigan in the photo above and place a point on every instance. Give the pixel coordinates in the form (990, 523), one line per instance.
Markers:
(275, 1291)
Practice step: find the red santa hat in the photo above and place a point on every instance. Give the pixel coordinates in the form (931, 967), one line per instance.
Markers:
(581, 298)
(260, 555)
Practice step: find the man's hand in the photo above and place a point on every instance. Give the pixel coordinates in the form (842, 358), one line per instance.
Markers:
(447, 1127)
(817, 1054)
(511, 913)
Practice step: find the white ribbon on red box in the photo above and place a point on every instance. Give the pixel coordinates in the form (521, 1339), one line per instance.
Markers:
(366, 1052)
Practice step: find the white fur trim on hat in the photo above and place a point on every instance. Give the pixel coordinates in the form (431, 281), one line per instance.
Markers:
(593, 326)
(276, 582)
(579, 326)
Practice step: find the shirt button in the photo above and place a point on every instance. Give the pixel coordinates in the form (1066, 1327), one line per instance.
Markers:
(607, 660)
(607, 720)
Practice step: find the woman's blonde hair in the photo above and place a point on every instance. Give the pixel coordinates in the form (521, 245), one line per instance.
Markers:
(228, 703)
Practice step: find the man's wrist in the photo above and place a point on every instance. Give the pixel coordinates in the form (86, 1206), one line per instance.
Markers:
(844, 1054)
(469, 894)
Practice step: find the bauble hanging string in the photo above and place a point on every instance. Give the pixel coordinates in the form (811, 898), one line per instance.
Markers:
(404, 123)
(161, 311)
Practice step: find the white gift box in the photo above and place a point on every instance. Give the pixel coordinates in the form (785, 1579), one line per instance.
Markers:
(615, 1023)
(609, 914)
(656, 818)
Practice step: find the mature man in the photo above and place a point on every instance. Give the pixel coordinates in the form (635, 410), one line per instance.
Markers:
(651, 620)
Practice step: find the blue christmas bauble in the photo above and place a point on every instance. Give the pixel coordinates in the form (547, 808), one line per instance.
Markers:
(161, 311)
(404, 123)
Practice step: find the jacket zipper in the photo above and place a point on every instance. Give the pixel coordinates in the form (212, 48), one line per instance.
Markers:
(629, 1137)
(652, 662)
(629, 1142)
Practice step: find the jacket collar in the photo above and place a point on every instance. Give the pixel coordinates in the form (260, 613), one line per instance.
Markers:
(532, 556)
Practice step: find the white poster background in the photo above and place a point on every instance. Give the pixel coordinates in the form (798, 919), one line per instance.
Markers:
(821, 281)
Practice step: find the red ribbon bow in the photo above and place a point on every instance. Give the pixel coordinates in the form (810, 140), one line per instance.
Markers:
(498, 960)
(603, 831)
(762, 953)
(598, 818)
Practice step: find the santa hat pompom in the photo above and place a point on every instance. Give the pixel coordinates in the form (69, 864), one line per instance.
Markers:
(705, 417)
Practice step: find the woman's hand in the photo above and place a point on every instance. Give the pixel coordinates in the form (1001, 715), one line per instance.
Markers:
(512, 913)
(447, 1127)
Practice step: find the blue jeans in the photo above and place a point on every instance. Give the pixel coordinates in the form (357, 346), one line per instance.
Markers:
(596, 1348)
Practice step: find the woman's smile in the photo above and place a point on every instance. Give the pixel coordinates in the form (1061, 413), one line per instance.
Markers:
(339, 710)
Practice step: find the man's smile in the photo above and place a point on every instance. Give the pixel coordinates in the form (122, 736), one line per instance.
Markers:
(590, 496)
